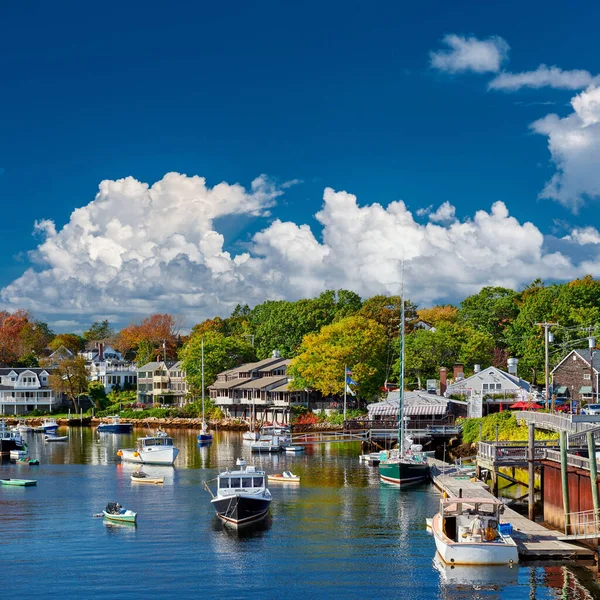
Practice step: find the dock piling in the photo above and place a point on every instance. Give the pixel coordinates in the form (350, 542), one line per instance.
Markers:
(531, 458)
(593, 471)
(564, 475)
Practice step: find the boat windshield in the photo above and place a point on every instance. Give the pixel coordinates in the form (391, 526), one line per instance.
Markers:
(156, 441)
(227, 482)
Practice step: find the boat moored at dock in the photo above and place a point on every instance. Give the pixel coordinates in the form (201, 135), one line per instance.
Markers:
(467, 531)
(272, 439)
(151, 450)
(48, 426)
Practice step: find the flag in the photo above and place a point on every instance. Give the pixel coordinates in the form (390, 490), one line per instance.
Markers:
(350, 391)
(349, 379)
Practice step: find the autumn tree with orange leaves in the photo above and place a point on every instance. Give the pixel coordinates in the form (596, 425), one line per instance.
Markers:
(21, 337)
(146, 339)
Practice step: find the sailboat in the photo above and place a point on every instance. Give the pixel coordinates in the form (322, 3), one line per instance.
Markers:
(204, 437)
(252, 434)
(406, 464)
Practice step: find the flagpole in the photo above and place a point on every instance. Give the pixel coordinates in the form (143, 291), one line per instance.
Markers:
(345, 388)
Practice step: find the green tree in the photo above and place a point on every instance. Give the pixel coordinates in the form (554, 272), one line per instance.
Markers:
(220, 353)
(70, 378)
(97, 394)
(71, 341)
(356, 342)
(100, 330)
(492, 310)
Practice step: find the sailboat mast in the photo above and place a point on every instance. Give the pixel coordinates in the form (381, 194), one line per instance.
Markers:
(401, 371)
(202, 352)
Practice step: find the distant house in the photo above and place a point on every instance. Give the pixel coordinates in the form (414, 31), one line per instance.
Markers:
(490, 381)
(574, 376)
(23, 390)
(262, 387)
(98, 352)
(420, 324)
(60, 354)
(114, 374)
(421, 408)
(162, 382)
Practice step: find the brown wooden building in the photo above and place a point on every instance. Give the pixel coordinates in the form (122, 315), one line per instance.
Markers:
(575, 377)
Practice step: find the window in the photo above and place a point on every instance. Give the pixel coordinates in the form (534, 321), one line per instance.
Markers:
(246, 482)
(587, 376)
(223, 483)
(258, 482)
(235, 482)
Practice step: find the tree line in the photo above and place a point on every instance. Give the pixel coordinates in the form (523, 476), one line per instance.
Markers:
(339, 329)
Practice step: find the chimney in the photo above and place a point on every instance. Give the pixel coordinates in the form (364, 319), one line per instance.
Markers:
(275, 354)
(476, 368)
(100, 352)
(458, 372)
(443, 379)
(512, 365)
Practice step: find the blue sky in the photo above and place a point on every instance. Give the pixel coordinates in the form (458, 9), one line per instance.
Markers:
(335, 95)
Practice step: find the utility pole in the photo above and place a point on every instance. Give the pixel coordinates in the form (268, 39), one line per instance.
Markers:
(546, 327)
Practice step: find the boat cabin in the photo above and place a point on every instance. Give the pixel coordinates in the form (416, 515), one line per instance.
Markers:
(471, 520)
(159, 440)
(249, 480)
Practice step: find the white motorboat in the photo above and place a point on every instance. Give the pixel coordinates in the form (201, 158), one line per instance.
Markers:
(242, 496)
(15, 454)
(467, 531)
(10, 439)
(47, 426)
(151, 450)
(272, 439)
(22, 427)
(294, 449)
(251, 436)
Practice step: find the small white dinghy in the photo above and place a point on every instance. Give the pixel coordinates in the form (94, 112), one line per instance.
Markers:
(143, 477)
(286, 477)
(467, 531)
(56, 438)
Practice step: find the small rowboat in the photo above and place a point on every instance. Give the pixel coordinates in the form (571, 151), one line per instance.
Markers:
(56, 438)
(115, 512)
(286, 476)
(21, 482)
(294, 449)
(141, 477)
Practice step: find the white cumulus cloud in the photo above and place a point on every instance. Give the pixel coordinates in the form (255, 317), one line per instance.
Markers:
(584, 235)
(543, 76)
(470, 54)
(137, 249)
(574, 144)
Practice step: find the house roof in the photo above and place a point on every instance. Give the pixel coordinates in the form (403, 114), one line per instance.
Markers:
(494, 372)
(415, 404)
(224, 385)
(255, 366)
(280, 362)
(18, 370)
(169, 364)
(262, 382)
(583, 354)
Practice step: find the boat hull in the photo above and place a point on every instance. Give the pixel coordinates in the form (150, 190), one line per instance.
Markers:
(126, 517)
(154, 480)
(164, 455)
(283, 479)
(19, 482)
(239, 510)
(251, 436)
(403, 473)
(204, 438)
(473, 553)
(115, 428)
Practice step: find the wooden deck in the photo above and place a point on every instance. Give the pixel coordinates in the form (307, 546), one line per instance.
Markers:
(535, 542)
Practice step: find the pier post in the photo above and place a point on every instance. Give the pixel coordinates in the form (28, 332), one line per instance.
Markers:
(593, 471)
(564, 475)
(531, 459)
(494, 482)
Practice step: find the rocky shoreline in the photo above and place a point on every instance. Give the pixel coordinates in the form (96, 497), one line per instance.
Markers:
(174, 423)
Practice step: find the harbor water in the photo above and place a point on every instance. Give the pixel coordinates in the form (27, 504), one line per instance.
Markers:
(338, 534)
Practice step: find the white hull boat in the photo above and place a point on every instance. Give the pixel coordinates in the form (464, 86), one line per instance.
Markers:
(15, 454)
(467, 532)
(251, 436)
(151, 450)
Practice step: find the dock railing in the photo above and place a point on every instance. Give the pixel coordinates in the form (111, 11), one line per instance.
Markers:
(583, 524)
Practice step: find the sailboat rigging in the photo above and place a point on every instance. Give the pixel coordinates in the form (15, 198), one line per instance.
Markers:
(405, 464)
(204, 436)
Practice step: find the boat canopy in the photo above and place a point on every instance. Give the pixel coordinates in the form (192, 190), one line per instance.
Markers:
(239, 480)
(155, 441)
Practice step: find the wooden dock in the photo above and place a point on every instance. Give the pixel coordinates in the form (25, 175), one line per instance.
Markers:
(535, 542)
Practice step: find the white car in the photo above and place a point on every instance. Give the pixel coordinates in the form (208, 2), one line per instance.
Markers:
(591, 409)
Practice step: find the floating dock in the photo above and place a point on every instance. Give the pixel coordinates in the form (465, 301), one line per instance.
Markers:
(535, 542)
